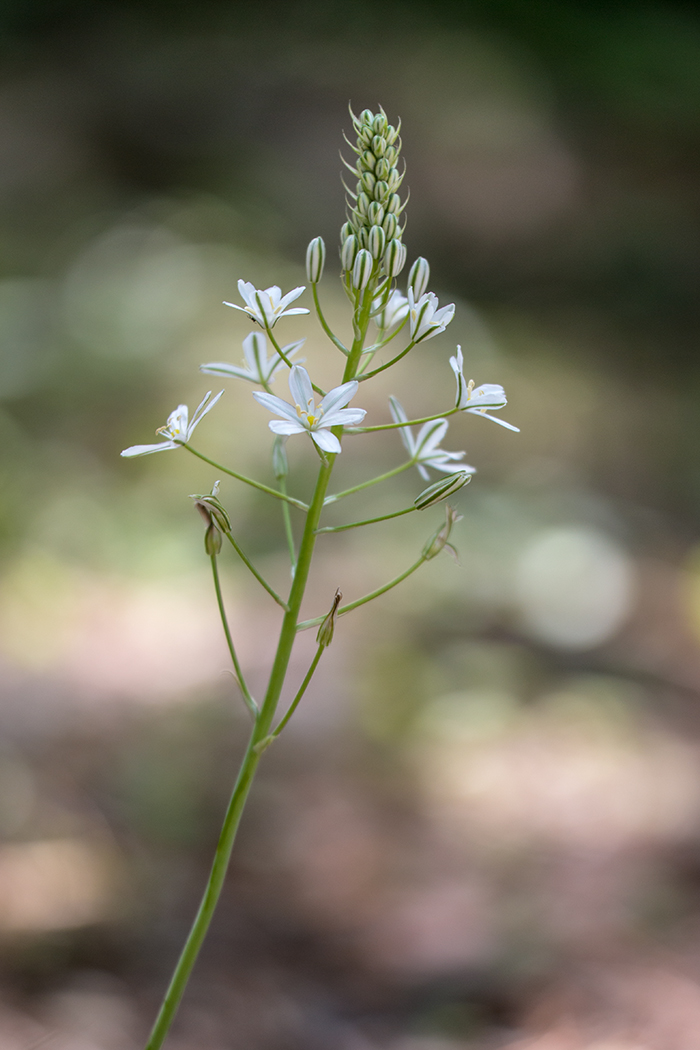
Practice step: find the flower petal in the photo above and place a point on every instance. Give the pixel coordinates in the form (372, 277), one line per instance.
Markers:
(429, 437)
(345, 417)
(339, 396)
(275, 404)
(204, 406)
(221, 368)
(494, 419)
(145, 450)
(325, 440)
(300, 387)
(286, 426)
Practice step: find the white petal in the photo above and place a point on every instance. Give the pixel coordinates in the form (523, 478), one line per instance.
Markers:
(202, 408)
(494, 419)
(275, 404)
(289, 298)
(325, 440)
(285, 426)
(345, 417)
(429, 436)
(399, 416)
(300, 387)
(145, 450)
(339, 396)
(296, 310)
(220, 368)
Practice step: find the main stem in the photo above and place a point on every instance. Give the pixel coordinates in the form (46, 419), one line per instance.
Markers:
(263, 722)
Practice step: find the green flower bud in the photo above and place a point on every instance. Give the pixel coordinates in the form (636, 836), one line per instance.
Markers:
(212, 540)
(315, 260)
(375, 214)
(382, 169)
(211, 509)
(368, 182)
(363, 203)
(348, 252)
(378, 146)
(394, 258)
(381, 191)
(362, 269)
(438, 541)
(325, 631)
(389, 226)
(418, 277)
(376, 241)
(441, 490)
(367, 117)
(380, 123)
(280, 464)
(393, 205)
(393, 181)
(368, 160)
(346, 230)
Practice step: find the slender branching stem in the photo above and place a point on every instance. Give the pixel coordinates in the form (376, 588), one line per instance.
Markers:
(305, 624)
(247, 562)
(302, 689)
(288, 363)
(369, 521)
(406, 423)
(324, 324)
(248, 481)
(366, 484)
(382, 368)
(249, 702)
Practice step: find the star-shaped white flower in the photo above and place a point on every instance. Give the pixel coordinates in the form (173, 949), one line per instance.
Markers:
(425, 320)
(267, 305)
(393, 313)
(303, 416)
(258, 367)
(477, 400)
(178, 429)
(423, 449)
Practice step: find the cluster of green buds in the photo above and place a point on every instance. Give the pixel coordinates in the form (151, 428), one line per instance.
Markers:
(215, 518)
(370, 240)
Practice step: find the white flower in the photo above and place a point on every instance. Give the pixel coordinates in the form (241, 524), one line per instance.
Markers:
(393, 313)
(267, 305)
(423, 450)
(260, 368)
(304, 417)
(469, 399)
(178, 429)
(424, 318)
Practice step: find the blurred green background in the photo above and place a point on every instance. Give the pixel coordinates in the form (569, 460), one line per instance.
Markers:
(482, 829)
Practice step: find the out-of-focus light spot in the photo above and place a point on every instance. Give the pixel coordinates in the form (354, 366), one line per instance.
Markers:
(24, 334)
(17, 793)
(53, 885)
(573, 587)
(133, 291)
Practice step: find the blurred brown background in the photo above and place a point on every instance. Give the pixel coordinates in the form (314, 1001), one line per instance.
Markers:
(482, 830)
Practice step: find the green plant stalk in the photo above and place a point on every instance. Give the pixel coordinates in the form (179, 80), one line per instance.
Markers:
(248, 481)
(249, 702)
(305, 624)
(367, 484)
(288, 528)
(247, 562)
(324, 324)
(368, 521)
(263, 722)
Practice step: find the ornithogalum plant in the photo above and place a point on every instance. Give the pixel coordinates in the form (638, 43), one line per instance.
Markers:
(372, 255)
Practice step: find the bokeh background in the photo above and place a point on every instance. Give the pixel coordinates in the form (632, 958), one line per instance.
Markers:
(482, 829)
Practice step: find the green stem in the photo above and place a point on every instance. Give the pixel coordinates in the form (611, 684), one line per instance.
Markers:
(382, 368)
(305, 624)
(368, 521)
(248, 481)
(302, 689)
(324, 324)
(407, 423)
(246, 561)
(288, 528)
(366, 484)
(250, 703)
(288, 363)
(263, 723)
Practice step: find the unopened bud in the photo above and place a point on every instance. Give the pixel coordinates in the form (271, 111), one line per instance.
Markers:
(382, 168)
(325, 631)
(363, 203)
(389, 226)
(381, 191)
(379, 123)
(394, 258)
(441, 490)
(346, 230)
(438, 541)
(375, 214)
(280, 464)
(211, 509)
(362, 269)
(212, 540)
(393, 205)
(348, 252)
(418, 277)
(368, 160)
(376, 241)
(368, 182)
(378, 146)
(315, 260)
